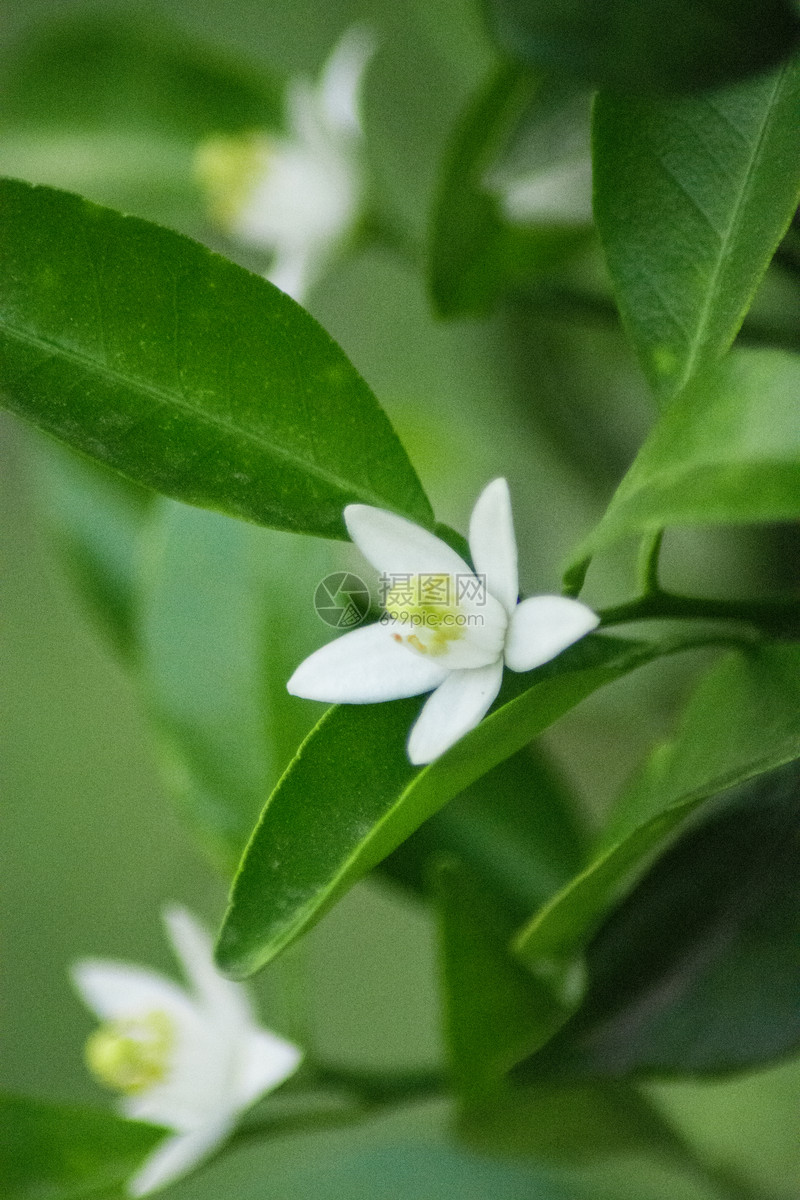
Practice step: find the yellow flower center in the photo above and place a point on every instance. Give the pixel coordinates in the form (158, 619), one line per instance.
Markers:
(228, 168)
(132, 1055)
(428, 611)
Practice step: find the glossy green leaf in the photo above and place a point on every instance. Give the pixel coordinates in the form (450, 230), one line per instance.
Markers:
(114, 108)
(224, 609)
(743, 720)
(691, 198)
(516, 828)
(727, 451)
(482, 243)
(698, 971)
(98, 518)
(185, 372)
(58, 1152)
(647, 45)
(351, 795)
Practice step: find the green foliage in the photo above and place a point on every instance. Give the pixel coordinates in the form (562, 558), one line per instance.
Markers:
(691, 198)
(185, 372)
(698, 971)
(743, 720)
(478, 250)
(354, 764)
(98, 518)
(205, 403)
(495, 1012)
(113, 107)
(647, 45)
(57, 1152)
(218, 601)
(727, 451)
(515, 828)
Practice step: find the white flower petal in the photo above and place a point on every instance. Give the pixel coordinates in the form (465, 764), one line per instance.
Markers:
(363, 667)
(493, 545)
(178, 1155)
(454, 708)
(295, 270)
(116, 991)
(342, 76)
(266, 1060)
(225, 1003)
(543, 626)
(396, 546)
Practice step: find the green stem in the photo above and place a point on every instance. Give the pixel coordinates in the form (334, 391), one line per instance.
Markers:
(376, 1089)
(779, 616)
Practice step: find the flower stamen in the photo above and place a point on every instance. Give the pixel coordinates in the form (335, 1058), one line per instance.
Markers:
(132, 1055)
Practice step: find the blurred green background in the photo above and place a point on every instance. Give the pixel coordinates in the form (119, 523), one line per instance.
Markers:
(92, 849)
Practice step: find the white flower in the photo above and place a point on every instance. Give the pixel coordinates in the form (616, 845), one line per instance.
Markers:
(446, 628)
(298, 196)
(191, 1061)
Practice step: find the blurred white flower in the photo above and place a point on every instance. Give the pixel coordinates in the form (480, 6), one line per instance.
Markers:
(299, 195)
(191, 1061)
(446, 628)
(559, 195)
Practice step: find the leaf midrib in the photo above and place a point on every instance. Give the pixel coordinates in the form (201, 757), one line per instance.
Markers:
(167, 398)
(701, 329)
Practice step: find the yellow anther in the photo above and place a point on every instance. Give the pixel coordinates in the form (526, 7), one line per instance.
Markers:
(132, 1055)
(426, 607)
(228, 168)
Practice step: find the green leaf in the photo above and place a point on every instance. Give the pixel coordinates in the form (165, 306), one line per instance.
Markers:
(225, 609)
(691, 199)
(727, 450)
(647, 45)
(495, 1012)
(114, 109)
(385, 1168)
(516, 828)
(743, 720)
(185, 372)
(493, 1009)
(351, 795)
(698, 971)
(479, 250)
(58, 1152)
(98, 519)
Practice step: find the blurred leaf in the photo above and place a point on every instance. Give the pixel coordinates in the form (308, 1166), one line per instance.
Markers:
(699, 968)
(647, 45)
(351, 795)
(225, 610)
(564, 1124)
(54, 1152)
(743, 720)
(387, 1170)
(114, 108)
(691, 199)
(98, 518)
(727, 450)
(493, 1009)
(481, 245)
(495, 1012)
(185, 372)
(516, 828)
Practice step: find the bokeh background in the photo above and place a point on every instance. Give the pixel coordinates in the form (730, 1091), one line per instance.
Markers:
(92, 846)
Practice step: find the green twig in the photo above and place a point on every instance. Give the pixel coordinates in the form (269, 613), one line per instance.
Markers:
(777, 617)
